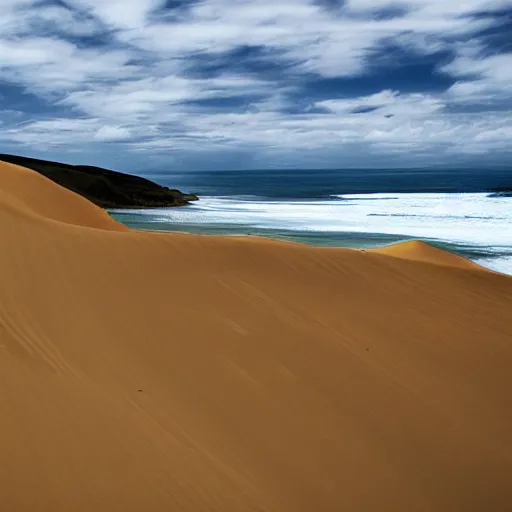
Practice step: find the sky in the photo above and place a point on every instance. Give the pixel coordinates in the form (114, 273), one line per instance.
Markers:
(233, 84)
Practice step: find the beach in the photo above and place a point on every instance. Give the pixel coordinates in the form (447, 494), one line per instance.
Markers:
(158, 371)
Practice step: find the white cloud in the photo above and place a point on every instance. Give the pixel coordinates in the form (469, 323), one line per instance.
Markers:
(433, 7)
(118, 13)
(50, 64)
(32, 52)
(58, 18)
(53, 132)
(26, 17)
(483, 78)
(112, 133)
(494, 67)
(387, 103)
(158, 99)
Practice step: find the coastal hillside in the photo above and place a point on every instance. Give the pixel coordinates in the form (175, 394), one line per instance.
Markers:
(105, 188)
(172, 372)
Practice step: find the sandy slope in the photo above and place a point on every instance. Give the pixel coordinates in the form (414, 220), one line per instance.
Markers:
(421, 251)
(158, 372)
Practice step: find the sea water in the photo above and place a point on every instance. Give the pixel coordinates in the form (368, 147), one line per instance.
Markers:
(454, 209)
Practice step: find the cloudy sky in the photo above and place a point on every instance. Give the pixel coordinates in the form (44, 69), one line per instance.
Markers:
(138, 84)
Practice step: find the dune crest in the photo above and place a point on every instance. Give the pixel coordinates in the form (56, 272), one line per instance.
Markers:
(146, 371)
(32, 192)
(421, 251)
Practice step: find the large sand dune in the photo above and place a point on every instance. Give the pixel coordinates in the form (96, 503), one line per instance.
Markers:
(156, 372)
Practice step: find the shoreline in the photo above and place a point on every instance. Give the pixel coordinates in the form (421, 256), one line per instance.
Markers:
(349, 240)
(469, 224)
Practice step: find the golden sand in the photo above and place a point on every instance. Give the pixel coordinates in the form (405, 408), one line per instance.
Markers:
(164, 372)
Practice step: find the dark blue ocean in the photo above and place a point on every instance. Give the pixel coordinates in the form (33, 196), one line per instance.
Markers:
(458, 209)
(315, 184)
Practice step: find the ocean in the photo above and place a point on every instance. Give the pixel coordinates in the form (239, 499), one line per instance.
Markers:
(455, 209)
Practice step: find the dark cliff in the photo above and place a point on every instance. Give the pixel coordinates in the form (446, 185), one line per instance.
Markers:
(106, 188)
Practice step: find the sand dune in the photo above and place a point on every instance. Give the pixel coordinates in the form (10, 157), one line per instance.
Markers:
(32, 194)
(421, 251)
(144, 371)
